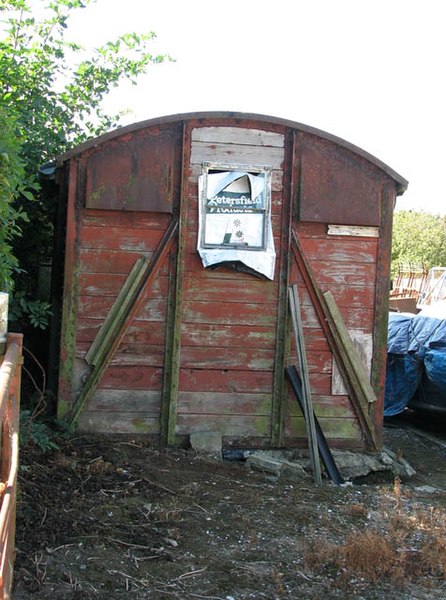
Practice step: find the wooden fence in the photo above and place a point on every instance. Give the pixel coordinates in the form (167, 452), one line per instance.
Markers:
(10, 374)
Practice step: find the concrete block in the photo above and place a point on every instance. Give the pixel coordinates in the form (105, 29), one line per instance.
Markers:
(207, 442)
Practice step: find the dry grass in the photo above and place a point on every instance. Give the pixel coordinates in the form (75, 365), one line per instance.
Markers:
(356, 510)
(408, 547)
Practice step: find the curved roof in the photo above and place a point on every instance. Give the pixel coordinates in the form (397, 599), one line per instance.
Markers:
(400, 181)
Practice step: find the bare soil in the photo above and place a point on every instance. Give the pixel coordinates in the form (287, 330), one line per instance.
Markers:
(101, 518)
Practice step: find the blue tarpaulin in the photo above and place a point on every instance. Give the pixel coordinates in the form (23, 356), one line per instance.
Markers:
(416, 361)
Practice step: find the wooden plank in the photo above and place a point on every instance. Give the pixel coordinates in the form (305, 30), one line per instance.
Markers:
(131, 378)
(97, 307)
(241, 358)
(69, 308)
(132, 220)
(238, 135)
(230, 290)
(134, 401)
(119, 422)
(358, 314)
(349, 274)
(107, 261)
(223, 380)
(196, 170)
(140, 332)
(248, 336)
(341, 429)
(326, 406)
(281, 207)
(227, 358)
(174, 315)
(142, 355)
(349, 297)
(237, 154)
(353, 231)
(343, 250)
(380, 323)
(228, 313)
(172, 346)
(117, 313)
(109, 284)
(355, 318)
(308, 229)
(315, 340)
(306, 390)
(231, 426)
(119, 238)
(221, 403)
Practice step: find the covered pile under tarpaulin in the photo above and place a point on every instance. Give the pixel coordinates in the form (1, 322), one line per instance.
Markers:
(416, 360)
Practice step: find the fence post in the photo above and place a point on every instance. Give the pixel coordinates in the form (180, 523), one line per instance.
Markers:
(10, 380)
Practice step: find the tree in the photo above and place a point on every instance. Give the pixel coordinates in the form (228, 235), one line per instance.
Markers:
(418, 238)
(47, 107)
(12, 181)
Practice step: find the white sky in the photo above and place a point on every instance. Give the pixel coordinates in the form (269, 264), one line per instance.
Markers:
(369, 71)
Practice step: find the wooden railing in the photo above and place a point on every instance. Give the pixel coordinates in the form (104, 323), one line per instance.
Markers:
(10, 375)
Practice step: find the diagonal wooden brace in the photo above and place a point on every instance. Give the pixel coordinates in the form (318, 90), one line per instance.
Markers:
(122, 312)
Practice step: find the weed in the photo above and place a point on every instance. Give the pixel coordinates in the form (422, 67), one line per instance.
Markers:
(433, 557)
(277, 576)
(36, 433)
(356, 510)
(413, 547)
(369, 555)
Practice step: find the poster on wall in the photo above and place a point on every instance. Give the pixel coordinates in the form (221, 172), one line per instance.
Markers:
(235, 217)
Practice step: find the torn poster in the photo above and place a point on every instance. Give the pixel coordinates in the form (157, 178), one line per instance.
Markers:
(235, 219)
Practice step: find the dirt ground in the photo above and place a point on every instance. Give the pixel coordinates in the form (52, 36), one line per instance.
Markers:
(101, 518)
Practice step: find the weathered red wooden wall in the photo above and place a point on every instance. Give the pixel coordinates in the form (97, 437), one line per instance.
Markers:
(347, 267)
(207, 348)
(229, 319)
(102, 247)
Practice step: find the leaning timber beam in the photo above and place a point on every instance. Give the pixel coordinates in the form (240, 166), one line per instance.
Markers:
(122, 312)
(358, 386)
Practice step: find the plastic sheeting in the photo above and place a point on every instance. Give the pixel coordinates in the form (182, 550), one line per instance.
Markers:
(416, 361)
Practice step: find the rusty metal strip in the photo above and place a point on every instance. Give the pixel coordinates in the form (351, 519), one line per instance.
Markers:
(359, 401)
(132, 305)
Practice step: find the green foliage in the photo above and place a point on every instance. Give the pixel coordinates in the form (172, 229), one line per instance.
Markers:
(12, 181)
(418, 238)
(34, 432)
(50, 99)
(59, 105)
(36, 312)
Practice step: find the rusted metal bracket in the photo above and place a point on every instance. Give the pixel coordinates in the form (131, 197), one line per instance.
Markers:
(353, 380)
(122, 312)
